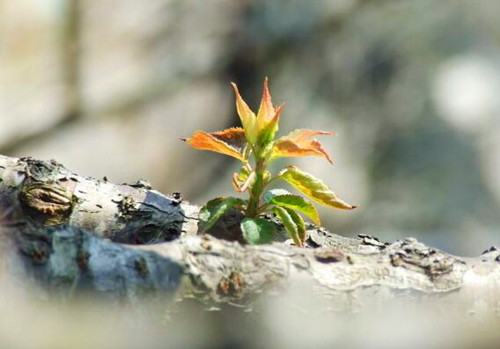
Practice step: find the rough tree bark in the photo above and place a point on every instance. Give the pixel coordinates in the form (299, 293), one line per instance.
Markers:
(67, 233)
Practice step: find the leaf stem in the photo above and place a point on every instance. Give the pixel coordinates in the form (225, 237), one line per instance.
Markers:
(273, 179)
(263, 207)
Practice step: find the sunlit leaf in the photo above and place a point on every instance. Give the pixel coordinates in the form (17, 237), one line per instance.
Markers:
(313, 188)
(298, 143)
(266, 110)
(247, 117)
(267, 117)
(257, 139)
(290, 226)
(257, 230)
(213, 210)
(299, 222)
(268, 131)
(288, 200)
(270, 194)
(229, 142)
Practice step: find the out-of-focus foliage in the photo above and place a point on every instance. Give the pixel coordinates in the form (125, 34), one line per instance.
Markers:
(410, 86)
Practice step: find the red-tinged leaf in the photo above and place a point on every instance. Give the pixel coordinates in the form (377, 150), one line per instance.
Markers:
(313, 188)
(229, 142)
(298, 143)
(266, 109)
(267, 117)
(247, 117)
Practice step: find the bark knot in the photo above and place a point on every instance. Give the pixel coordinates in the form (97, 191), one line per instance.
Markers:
(48, 203)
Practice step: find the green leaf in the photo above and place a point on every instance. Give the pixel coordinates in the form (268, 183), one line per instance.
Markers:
(283, 198)
(313, 188)
(268, 132)
(266, 137)
(243, 174)
(301, 227)
(257, 230)
(289, 224)
(214, 209)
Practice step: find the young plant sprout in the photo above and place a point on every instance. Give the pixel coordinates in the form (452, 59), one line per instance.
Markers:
(256, 147)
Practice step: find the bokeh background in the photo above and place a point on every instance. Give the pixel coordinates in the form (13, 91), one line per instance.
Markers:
(412, 87)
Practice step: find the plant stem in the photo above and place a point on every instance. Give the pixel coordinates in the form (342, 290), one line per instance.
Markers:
(256, 189)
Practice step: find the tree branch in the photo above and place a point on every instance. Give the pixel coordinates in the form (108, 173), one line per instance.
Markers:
(60, 226)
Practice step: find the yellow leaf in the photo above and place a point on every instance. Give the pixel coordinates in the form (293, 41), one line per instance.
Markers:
(247, 117)
(313, 188)
(229, 142)
(297, 143)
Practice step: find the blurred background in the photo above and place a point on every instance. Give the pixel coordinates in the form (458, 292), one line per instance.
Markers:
(412, 87)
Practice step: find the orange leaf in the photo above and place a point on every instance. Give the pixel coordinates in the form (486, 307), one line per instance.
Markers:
(247, 116)
(267, 117)
(266, 110)
(229, 142)
(297, 143)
